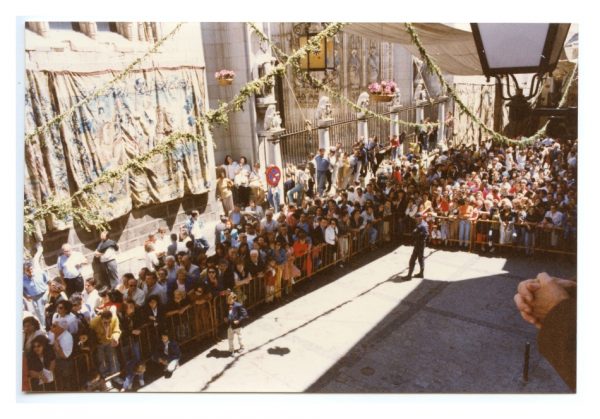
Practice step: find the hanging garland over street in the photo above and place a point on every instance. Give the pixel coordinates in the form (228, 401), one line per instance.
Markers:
(495, 136)
(84, 207)
(542, 131)
(320, 85)
(57, 119)
(219, 115)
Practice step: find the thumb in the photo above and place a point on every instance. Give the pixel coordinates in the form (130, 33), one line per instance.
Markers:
(544, 278)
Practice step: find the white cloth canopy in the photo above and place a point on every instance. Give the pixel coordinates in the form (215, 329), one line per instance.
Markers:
(453, 50)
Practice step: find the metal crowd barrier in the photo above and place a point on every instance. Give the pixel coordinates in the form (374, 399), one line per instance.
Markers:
(487, 234)
(203, 318)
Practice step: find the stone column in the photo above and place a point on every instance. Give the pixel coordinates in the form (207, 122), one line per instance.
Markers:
(324, 138)
(420, 111)
(363, 129)
(271, 142)
(441, 137)
(419, 116)
(323, 125)
(394, 126)
(210, 181)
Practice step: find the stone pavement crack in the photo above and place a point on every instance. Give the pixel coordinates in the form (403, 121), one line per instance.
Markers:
(325, 313)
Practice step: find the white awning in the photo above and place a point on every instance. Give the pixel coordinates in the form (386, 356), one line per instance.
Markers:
(453, 50)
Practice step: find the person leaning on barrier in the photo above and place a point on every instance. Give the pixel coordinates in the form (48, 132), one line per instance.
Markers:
(420, 235)
(550, 304)
(108, 333)
(167, 353)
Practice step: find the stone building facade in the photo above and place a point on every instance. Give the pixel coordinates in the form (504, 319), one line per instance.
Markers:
(88, 48)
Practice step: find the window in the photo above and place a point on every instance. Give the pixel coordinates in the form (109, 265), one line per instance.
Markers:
(107, 26)
(64, 26)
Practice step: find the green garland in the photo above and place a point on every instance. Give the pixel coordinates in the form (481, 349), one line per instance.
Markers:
(435, 69)
(85, 207)
(89, 215)
(219, 115)
(102, 90)
(542, 131)
(320, 85)
(495, 136)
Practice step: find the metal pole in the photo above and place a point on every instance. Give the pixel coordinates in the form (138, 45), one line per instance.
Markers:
(526, 363)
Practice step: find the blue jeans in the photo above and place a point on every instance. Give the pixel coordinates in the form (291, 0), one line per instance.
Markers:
(372, 234)
(321, 180)
(464, 232)
(529, 237)
(299, 190)
(132, 363)
(107, 360)
(273, 199)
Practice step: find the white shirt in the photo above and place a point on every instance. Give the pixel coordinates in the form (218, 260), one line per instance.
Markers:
(231, 169)
(367, 217)
(557, 217)
(92, 299)
(268, 226)
(152, 260)
(196, 229)
(139, 296)
(73, 323)
(302, 178)
(161, 244)
(157, 290)
(331, 235)
(65, 340)
(108, 255)
(69, 265)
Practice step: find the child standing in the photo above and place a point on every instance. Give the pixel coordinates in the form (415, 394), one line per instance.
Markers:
(281, 259)
(436, 235)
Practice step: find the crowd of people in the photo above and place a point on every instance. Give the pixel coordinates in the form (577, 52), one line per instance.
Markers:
(370, 192)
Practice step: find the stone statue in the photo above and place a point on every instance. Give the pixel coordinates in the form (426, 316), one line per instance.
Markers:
(276, 122)
(421, 91)
(373, 65)
(363, 102)
(397, 100)
(266, 68)
(324, 110)
(269, 116)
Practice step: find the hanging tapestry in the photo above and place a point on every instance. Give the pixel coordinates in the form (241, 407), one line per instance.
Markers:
(131, 118)
(480, 99)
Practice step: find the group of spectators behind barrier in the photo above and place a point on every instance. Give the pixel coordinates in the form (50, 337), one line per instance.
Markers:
(202, 319)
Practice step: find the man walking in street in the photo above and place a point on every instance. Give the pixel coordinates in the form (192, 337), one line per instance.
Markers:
(420, 234)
